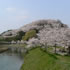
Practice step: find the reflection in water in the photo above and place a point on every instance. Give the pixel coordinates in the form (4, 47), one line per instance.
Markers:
(10, 61)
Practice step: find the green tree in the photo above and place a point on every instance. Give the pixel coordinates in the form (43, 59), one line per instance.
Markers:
(29, 34)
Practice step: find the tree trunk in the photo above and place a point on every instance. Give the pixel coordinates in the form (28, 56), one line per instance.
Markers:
(69, 50)
(55, 48)
(46, 48)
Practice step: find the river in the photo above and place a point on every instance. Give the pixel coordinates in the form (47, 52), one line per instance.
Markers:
(10, 61)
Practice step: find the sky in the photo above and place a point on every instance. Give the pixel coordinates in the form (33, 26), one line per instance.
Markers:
(16, 13)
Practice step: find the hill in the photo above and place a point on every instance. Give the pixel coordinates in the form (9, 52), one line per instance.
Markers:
(48, 32)
(39, 25)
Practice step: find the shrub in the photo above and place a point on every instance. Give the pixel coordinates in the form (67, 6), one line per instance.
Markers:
(10, 39)
(19, 35)
(29, 34)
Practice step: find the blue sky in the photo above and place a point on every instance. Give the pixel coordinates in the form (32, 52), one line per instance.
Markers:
(16, 13)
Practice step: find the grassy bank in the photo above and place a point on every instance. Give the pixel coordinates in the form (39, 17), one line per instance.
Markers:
(36, 59)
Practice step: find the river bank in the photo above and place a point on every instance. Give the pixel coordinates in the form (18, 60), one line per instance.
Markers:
(3, 50)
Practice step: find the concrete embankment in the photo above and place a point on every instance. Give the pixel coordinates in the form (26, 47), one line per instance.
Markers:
(3, 49)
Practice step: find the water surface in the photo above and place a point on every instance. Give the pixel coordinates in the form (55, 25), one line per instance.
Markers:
(10, 61)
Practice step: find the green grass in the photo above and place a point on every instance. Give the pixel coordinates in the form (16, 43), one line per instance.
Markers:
(36, 59)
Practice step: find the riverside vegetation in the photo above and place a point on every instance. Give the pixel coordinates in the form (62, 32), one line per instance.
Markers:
(52, 36)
